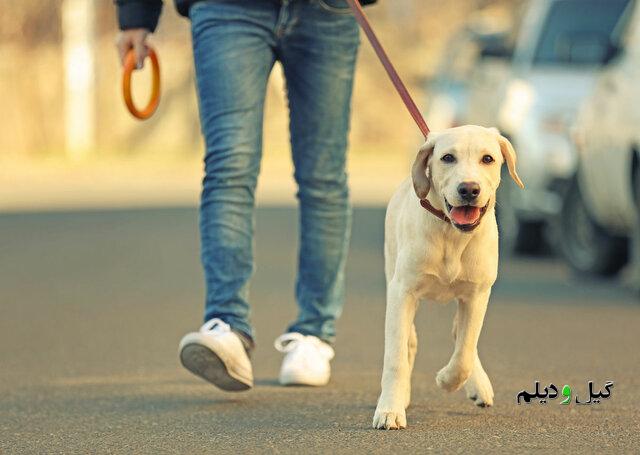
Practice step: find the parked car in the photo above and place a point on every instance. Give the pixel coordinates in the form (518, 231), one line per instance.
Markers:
(600, 212)
(448, 90)
(559, 49)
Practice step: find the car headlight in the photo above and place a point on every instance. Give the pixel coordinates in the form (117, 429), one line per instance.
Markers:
(519, 99)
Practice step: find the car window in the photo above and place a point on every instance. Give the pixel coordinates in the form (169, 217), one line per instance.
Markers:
(459, 59)
(578, 31)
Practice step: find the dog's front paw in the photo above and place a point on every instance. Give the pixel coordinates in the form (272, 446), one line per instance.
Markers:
(479, 388)
(451, 378)
(389, 420)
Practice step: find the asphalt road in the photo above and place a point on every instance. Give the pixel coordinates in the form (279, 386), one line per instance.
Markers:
(93, 305)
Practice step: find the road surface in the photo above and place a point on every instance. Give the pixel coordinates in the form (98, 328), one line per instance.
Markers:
(94, 304)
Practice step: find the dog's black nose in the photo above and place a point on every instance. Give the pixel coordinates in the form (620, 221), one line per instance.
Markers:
(468, 191)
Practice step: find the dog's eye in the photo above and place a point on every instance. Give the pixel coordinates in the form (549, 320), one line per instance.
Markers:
(487, 159)
(448, 158)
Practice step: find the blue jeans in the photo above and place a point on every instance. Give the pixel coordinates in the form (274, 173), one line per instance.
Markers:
(235, 45)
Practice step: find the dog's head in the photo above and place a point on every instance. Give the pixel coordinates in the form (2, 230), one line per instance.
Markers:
(462, 167)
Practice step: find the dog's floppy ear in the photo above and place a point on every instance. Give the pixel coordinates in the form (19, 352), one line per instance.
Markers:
(509, 155)
(422, 183)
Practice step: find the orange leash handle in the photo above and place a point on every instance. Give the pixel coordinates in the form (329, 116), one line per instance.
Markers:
(361, 17)
(129, 67)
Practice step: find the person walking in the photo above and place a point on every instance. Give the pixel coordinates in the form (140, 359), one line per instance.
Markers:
(235, 46)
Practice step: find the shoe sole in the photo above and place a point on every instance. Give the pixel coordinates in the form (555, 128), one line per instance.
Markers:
(298, 380)
(203, 362)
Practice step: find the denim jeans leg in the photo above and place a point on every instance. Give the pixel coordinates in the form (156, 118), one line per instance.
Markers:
(233, 59)
(318, 53)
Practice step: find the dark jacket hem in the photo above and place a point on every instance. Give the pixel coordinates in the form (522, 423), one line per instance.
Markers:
(146, 13)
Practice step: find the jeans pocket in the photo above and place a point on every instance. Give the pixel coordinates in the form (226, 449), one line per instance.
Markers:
(335, 6)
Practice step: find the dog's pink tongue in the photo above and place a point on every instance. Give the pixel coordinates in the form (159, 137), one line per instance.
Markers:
(465, 214)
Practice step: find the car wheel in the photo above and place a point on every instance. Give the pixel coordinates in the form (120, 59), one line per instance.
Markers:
(516, 236)
(519, 237)
(635, 237)
(586, 246)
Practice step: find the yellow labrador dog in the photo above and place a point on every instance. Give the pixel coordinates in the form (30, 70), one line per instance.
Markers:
(448, 253)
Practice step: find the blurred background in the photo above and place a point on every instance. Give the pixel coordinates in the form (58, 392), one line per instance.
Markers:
(63, 109)
(556, 77)
(99, 245)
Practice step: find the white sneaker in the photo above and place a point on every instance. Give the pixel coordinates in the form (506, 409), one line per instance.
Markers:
(217, 355)
(306, 361)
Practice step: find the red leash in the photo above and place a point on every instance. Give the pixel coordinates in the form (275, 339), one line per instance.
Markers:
(388, 66)
(361, 17)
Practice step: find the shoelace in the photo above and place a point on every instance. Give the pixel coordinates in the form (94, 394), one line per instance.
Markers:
(215, 325)
(288, 342)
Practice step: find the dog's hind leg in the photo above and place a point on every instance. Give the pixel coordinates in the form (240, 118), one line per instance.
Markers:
(478, 386)
(412, 349)
(468, 323)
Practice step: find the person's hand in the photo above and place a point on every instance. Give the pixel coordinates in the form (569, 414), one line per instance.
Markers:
(136, 39)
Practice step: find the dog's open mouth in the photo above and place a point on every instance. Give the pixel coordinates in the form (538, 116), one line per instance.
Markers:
(466, 217)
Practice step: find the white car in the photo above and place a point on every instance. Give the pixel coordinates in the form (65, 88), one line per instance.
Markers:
(448, 90)
(559, 49)
(605, 195)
